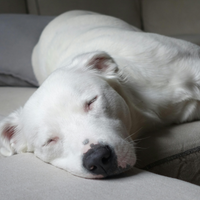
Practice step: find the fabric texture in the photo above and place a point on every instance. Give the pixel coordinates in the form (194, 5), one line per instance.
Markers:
(11, 98)
(127, 10)
(173, 152)
(19, 34)
(178, 19)
(183, 166)
(171, 17)
(24, 176)
(13, 6)
(194, 38)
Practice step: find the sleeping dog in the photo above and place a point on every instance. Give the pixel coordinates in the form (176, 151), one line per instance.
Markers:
(102, 82)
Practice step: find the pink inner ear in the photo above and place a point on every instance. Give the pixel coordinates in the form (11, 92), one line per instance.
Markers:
(9, 132)
(99, 63)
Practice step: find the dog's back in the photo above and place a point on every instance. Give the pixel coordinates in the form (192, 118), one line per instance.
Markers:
(153, 63)
(73, 33)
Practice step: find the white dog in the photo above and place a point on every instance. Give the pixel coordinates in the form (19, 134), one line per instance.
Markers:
(102, 80)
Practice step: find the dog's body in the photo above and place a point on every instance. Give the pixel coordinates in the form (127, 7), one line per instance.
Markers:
(106, 81)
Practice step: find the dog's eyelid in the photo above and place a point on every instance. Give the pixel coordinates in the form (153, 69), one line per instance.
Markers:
(93, 100)
(90, 103)
(51, 141)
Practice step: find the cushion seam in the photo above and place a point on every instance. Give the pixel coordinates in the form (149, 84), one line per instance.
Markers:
(31, 82)
(171, 158)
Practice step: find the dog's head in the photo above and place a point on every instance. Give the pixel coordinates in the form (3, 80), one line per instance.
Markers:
(77, 120)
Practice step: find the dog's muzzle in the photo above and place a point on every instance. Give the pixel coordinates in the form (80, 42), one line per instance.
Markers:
(100, 160)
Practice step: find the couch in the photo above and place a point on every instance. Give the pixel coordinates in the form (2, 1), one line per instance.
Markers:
(168, 164)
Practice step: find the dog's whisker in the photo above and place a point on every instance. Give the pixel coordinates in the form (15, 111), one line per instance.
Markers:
(133, 134)
(140, 139)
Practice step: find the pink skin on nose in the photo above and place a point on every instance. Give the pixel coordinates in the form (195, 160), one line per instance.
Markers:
(87, 145)
(124, 157)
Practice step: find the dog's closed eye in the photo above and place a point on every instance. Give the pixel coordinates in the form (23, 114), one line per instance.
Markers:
(51, 141)
(89, 104)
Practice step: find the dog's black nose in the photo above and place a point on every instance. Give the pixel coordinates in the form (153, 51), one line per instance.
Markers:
(100, 160)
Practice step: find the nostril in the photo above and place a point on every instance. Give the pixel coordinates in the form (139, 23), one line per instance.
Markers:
(105, 160)
(92, 168)
(106, 156)
(100, 159)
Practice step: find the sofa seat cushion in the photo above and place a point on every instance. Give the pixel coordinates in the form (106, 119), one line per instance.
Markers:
(11, 98)
(173, 152)
(23, 176)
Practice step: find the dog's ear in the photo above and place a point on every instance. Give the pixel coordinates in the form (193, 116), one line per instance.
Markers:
(11, 134)
(99, 61)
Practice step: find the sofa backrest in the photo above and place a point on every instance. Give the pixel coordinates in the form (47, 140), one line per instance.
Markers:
(128, 10)
(13, 6)
(171, 17)
(168, 17)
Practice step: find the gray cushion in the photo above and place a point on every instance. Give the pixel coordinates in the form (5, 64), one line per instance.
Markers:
(19, 34)
(173, 152)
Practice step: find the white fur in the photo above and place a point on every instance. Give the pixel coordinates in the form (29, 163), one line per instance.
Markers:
(140, 81)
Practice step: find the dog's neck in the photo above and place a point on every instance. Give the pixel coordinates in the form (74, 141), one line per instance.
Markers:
(142, 119)
(138, 119)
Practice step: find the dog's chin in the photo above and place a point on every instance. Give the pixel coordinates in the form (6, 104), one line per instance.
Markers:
(87, 175)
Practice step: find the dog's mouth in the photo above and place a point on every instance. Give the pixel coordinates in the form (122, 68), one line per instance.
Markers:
(103, 161)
